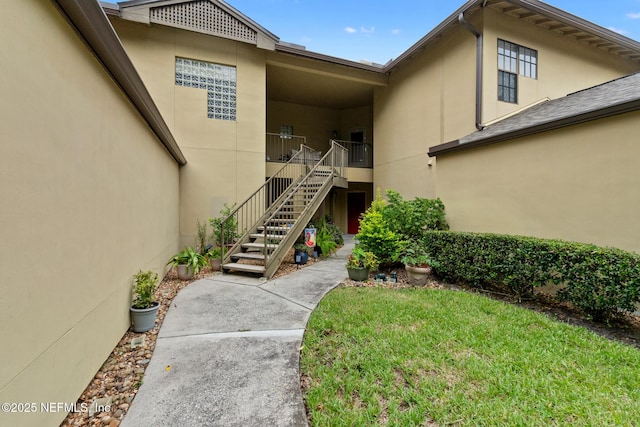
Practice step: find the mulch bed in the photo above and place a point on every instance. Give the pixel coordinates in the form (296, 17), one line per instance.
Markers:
(121, 375)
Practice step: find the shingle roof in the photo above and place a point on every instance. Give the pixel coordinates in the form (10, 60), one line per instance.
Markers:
(607, 99)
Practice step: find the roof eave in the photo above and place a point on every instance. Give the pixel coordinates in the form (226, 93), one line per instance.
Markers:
(458, 145)
(533, 5)
(91, 23)
(326, 58)
(577, 22)
(433, 34)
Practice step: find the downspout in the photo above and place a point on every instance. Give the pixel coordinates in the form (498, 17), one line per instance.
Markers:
(478, 35)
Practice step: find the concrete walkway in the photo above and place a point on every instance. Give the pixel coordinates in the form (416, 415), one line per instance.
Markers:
(228, 351)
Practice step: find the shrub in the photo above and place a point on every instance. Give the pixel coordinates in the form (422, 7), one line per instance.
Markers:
(189, 257)
(415, 254)
(327, 223)
(375, 234)
(202, 238)
(324, 239)
(359, 258)
(600, 281)
(411, 218)
(144, 285)
(231, 229)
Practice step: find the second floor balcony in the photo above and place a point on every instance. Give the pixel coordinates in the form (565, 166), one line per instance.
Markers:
(281, 148)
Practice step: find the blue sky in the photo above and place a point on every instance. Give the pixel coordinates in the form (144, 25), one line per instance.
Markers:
(379, 30)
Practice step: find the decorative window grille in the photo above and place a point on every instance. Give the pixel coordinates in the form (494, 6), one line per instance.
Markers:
(514, 60)
(203, 16)
(218, 80)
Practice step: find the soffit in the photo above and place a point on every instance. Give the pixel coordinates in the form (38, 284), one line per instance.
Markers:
(537, 13)
(297, 86)
(563, 23)
(212, 17)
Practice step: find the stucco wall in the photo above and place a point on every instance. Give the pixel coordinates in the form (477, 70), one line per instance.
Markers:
(565, 65)
(226, 158)
(318, 123)
(431, 97)
(578, 183)
(314, 123)
(89, 197)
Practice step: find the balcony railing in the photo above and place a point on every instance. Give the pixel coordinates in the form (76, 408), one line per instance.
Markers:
(360, 154)
(281, 148)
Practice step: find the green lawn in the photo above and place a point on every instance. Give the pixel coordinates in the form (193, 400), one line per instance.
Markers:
(427, 357)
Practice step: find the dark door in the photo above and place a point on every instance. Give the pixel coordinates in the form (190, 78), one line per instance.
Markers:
(356, 150)
(355, 207)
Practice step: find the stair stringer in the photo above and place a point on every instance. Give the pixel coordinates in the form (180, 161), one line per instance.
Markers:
(275, 259)
(245, 237)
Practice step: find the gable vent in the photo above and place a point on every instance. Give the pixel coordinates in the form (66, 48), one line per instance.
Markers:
(205, 17)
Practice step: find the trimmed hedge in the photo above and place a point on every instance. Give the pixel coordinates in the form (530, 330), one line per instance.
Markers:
(600, 281)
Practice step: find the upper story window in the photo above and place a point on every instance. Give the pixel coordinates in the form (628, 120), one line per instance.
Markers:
(286, 131)
(219, 81)
(514, 60)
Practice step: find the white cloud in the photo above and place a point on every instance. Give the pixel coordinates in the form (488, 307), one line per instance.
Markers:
(396, 31)
(618, 30)
(633, 15)
(362, 30)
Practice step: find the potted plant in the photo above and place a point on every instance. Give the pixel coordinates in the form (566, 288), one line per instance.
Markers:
(143, 306)
(225, 232)
(188, 262)
(214, 255)
(417, 263)
(360, 263)
(202, 238)
(325, 243)
(300, 253)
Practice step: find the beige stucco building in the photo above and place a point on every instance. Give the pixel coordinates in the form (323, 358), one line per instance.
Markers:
(125, 124)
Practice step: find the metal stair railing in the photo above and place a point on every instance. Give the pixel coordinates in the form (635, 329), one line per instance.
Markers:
(312, 189)
(236, 227)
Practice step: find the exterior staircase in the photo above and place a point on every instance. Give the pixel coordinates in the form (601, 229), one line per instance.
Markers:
(260, 232)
